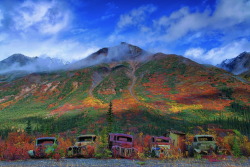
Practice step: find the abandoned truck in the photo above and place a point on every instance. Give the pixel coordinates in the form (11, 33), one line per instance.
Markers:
(121, 145)
(202, 144)
(80, 149)
(160, 146)
(43, 147)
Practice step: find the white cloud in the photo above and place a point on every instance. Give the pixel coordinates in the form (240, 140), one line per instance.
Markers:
(194, 52)
(217, 55)
(136, 16)
(46, 17)
(34, 28)
(231, 12)
(228, 13)
(67, 50)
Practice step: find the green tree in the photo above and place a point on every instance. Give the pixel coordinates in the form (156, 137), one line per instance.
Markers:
(236, 147)
(110, 119)
(28, 128)
(102, 150)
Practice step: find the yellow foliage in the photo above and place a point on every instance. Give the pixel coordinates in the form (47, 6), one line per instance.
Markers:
(6, 104)
(247, 146)
(93, 102)
(179, 107)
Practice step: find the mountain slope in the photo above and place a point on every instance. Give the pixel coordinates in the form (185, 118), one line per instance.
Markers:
(158, 93)
(237, 65)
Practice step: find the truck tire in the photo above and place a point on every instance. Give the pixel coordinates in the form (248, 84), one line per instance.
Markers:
(191, 152)
(34, 153)
(115, 153)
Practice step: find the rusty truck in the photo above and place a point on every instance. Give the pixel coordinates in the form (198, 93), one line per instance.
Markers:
(82, 146)
(121, 145)
(202, 144)
(160, 146)
(43, 147)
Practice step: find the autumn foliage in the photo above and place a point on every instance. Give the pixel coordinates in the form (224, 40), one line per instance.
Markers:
(16, 146)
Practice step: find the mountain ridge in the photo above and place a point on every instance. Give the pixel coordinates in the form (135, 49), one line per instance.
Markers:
(237, 65)
(26, 65)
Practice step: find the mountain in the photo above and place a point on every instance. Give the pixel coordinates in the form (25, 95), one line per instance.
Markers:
(119, 53)
(15, 60)
(150, 94)
(20, 65)
(237, 65)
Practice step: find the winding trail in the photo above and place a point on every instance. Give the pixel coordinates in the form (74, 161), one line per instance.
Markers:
(241, 79)
(96, 80)
(134, 79)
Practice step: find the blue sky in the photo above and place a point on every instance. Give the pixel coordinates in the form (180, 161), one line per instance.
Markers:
(207, 31)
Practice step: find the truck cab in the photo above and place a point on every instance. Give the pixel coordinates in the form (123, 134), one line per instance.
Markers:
(203, 144)
(80, 147)
(160, 145)
(121, 145)
(43, 146)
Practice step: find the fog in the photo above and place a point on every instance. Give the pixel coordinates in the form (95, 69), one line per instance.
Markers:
(119, 53)
(38, 64)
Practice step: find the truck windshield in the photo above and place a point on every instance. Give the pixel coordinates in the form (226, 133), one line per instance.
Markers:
(162, 141)
(45, 142)
(123, 138)
(205, 139)
(85, 139)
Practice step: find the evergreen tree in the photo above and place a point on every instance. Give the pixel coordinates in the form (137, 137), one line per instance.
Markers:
(102, 150)
(236, 148)
(28, 128)
(110, 118)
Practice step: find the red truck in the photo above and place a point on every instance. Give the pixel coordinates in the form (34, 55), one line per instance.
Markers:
(121, 145)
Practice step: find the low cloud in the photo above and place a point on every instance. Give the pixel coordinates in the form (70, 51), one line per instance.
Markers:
(41, 64)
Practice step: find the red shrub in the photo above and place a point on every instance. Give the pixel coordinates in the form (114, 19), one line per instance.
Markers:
(16, 146)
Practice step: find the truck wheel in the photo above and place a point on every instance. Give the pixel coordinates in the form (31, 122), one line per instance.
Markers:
(34, 154)
(115, 153)
(153, 153)
(191, 152)
(216, 150)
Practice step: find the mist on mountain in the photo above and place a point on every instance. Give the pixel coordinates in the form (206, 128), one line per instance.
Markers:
(19, 62)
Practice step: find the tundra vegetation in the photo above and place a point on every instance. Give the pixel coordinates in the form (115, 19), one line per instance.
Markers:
(16, 144)
(148, 98)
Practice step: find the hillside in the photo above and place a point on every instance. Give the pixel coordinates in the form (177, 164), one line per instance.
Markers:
(151, 95)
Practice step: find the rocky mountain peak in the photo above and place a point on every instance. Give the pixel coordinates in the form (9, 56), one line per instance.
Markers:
(237, 65)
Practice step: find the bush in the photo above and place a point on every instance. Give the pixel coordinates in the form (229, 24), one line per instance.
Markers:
(16, 146)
